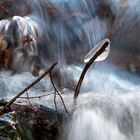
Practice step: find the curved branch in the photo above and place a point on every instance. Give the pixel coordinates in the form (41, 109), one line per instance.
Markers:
(56, 91)
(99, 52)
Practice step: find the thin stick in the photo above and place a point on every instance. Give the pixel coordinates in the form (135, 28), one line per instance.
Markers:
(58, 92)
(40, 96)
(29, 99)
(55, 104)
(27, 88)
(99, 52)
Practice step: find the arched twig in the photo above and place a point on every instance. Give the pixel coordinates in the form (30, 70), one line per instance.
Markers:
(56, 91)
(98, 53)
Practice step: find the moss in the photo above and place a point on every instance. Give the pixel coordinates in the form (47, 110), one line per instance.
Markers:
(8, 127)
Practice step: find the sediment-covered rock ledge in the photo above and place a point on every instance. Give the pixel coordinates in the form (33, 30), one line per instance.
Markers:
(32, 123)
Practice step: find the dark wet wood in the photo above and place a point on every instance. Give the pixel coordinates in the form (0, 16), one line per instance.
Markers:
(40, 123)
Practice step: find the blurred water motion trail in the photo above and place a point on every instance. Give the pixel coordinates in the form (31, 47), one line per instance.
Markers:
(108, 106)
(108, 111)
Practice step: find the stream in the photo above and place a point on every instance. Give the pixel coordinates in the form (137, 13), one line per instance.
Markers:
(108, 105)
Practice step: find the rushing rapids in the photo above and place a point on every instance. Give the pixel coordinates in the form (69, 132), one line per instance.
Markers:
(65, 30)
(105, 117)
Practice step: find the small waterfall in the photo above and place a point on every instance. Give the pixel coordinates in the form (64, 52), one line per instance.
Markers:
(109, 103)
(110, 117)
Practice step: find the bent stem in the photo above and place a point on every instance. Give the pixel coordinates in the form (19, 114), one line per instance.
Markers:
(98, 53)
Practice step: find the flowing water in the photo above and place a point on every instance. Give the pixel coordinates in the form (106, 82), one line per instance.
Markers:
(100, 114)
(108, 106)
(109, 117)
